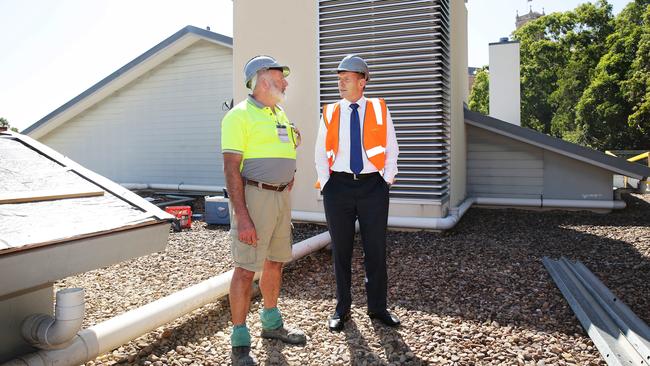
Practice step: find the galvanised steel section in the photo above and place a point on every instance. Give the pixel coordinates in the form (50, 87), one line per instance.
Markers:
(611, 342)
(406, 46)
(636, 330)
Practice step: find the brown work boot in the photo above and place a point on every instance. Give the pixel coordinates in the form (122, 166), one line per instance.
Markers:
(242, 356)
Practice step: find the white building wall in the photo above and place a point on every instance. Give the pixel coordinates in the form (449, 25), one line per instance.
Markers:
(501, 167)
(505, 82)
(164, 127)
(498, 166)
(566, 178)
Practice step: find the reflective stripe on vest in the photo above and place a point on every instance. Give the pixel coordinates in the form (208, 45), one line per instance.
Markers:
(374, 131)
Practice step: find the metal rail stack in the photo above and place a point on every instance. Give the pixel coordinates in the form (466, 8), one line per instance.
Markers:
(620, 336)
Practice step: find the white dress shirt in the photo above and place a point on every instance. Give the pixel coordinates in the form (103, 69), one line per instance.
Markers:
(342, 160)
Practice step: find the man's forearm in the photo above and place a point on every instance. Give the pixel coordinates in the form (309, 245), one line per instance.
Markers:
(235, 184)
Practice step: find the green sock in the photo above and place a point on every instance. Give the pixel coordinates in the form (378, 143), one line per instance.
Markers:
(240, 336)
(271, 318)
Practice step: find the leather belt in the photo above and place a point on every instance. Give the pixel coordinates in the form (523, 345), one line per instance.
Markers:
(355, 176)
(270, 187)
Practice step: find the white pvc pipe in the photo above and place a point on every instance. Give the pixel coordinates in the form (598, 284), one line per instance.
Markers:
(112, 333)
(310, 245)
(444, 223)
(587, 204)
(47, 332)
(308, 216)
(550, 203)
(417, 222)
(173, 187)
(431, 223)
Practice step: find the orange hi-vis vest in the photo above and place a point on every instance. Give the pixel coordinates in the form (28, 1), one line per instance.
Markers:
(374, 132)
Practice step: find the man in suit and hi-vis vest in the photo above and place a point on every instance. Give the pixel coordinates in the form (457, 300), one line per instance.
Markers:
(356, 161)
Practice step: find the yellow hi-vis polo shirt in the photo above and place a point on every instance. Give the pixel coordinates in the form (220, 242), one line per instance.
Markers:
(264, 137)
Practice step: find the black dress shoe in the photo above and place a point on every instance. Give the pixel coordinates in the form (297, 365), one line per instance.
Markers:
(385, 317)
(336, 321)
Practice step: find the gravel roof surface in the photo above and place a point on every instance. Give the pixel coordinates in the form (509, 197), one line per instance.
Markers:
(474, 295)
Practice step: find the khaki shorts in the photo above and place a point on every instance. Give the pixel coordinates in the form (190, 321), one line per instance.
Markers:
(271, 215)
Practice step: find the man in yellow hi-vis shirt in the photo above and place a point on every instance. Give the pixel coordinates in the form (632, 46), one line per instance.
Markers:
(259, 153)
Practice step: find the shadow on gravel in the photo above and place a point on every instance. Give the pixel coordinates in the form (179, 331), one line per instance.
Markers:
(274, 354)
(358, 346)
(395, 348)
(199, 325)
(396, 351)
(359, 350)
(489, 268)
(224, 228)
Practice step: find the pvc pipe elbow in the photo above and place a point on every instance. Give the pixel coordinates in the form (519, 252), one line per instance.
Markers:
(45, 331)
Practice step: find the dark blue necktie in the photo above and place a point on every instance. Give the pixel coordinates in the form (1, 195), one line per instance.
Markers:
(356, 160)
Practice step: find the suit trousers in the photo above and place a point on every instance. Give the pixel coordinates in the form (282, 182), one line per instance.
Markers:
(345, 201)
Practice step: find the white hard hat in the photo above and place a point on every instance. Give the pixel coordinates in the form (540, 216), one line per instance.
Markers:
(259, 63)
(354, 63)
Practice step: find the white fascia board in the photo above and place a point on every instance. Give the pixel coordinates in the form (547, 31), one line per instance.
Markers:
(223, 44)
(34, 267)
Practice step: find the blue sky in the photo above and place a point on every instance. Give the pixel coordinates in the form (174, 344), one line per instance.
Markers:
(489, 20)
(52, 50)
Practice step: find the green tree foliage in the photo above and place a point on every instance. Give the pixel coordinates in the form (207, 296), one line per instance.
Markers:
(479, 97)
(559, 53)
(586, 75)
(5, 123)
(637, 87)
(614, 111)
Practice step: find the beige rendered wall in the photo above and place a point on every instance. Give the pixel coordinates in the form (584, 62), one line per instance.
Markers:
(459, 95)
(288, 31)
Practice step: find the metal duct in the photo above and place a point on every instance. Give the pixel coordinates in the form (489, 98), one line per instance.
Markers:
(406, 45)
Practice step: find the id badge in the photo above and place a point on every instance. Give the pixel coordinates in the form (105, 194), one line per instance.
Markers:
(283, 134)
